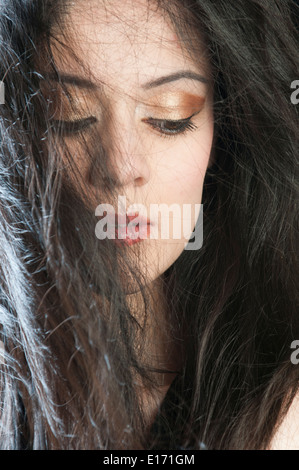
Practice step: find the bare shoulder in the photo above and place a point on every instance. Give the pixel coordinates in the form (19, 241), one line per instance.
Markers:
(287, 434)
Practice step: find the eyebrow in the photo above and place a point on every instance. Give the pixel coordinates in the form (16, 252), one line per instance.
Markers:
(174, 77)
(81, 82)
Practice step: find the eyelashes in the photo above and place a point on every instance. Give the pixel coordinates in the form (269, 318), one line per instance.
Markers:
(69, 128)
(170, 128)
(165, 127)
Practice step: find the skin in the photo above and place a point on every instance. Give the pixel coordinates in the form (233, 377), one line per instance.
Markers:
(129, 46)
(287, 435)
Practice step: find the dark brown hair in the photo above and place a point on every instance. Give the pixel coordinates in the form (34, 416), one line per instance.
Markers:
(73, 349)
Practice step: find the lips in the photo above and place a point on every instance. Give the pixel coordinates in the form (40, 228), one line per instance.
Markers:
(128, 232)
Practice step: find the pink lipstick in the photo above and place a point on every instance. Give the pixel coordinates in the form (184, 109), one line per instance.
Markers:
(129, 232)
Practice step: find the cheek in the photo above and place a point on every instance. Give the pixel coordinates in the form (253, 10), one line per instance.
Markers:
(187, 173)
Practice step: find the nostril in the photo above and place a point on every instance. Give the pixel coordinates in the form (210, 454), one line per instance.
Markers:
(139, 181)
(110, 182)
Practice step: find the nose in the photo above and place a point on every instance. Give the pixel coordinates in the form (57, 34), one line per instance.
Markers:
(129, 158)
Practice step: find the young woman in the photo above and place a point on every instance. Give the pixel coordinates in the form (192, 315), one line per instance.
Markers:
(132, 341)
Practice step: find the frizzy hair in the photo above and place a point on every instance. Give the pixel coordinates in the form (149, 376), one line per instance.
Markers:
(71, 361)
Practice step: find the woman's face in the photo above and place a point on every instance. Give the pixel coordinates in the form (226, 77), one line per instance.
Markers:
(155, 104)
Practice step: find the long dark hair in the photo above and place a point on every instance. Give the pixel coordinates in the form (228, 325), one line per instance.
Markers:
(72, 348)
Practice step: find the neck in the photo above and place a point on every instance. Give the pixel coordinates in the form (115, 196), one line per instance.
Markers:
(156, 343)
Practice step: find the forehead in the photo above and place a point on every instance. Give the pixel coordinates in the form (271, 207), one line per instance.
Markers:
(131, 40)
(118, 22)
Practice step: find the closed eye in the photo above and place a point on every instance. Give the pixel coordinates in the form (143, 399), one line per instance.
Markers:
(73, 127)
(169, 128)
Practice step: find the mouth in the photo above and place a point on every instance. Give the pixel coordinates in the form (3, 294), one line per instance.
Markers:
(130, 228)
